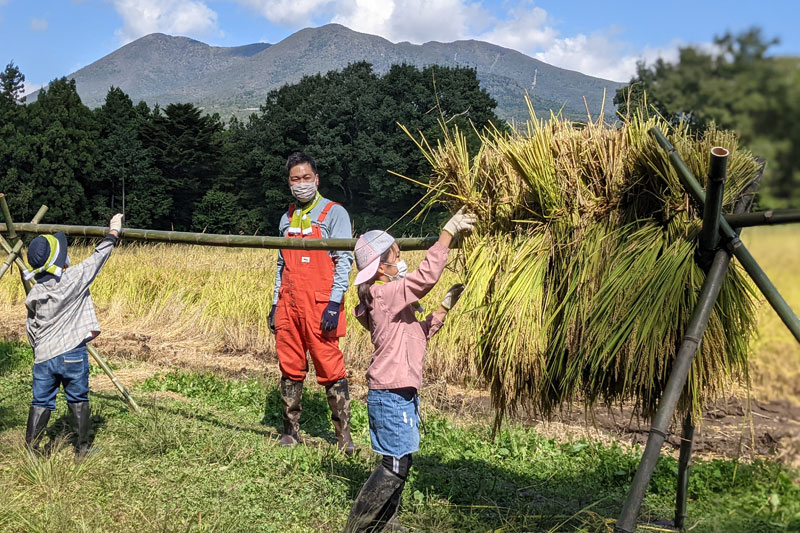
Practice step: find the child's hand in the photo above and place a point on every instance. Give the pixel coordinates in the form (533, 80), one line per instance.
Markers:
(460, 222)
(116, 223)
(452, 296)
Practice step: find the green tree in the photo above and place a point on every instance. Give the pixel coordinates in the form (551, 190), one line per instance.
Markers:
(738, 86)
(129, 180)
(54, 155)
(186, 147)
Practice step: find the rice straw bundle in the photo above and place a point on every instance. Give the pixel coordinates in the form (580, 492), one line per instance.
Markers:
(581, 271)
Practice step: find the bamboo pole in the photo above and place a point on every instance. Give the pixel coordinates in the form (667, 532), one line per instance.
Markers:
(212, 239)
(684, 465)
(732, 241)
(7, 217)
(764, 218)
(707, 245)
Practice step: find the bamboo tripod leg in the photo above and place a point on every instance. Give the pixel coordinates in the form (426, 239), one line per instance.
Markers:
(669, 400)
(28, 285)
(684, 463)
(117, 383)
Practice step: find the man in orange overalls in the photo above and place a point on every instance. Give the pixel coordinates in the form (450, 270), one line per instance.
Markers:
(308, 306)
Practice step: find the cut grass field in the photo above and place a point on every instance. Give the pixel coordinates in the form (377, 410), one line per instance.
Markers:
(203, 456)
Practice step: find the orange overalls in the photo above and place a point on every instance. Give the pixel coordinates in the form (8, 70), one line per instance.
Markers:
(304, 294)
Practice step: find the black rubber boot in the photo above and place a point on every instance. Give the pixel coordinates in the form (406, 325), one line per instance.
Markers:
(339, 401)
(82, 418)
(291, 396)
(377, 502)
(37, 423)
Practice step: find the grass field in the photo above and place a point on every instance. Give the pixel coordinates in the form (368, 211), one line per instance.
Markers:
(203, 456)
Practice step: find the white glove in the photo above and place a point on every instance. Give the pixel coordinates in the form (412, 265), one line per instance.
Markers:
(460, 222)
(116, 223)
(452, 296)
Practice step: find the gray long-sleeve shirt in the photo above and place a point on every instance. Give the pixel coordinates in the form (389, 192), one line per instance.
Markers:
(335, 226)
(61, 312)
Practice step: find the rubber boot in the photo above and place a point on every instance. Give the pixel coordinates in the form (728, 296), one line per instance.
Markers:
(393, 524)
(377, 503)
(37, 423)
(82, 418)
(339, 401)
(291, 397)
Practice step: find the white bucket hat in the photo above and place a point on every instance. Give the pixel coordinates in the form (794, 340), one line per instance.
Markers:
(369, 248)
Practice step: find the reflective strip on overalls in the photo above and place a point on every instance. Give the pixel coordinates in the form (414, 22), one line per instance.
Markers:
(303, 296)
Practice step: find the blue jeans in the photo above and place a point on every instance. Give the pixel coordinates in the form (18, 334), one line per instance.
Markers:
(70, 369)
(393, 422)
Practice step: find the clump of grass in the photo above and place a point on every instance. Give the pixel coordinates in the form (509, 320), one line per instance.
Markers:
(581, 277)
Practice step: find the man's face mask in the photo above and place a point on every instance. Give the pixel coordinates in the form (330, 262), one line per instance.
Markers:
(304, 192)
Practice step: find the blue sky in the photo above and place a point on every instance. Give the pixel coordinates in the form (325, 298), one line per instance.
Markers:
(53, 38)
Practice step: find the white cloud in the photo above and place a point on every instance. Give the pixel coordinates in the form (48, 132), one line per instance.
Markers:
(525, 30)
(416, 21)
(38, 24)
(175, 17)
(602, 55)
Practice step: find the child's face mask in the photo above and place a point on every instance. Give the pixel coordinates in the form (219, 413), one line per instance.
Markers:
(402, 270)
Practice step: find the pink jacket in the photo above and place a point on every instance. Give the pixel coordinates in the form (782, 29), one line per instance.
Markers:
(399, 338)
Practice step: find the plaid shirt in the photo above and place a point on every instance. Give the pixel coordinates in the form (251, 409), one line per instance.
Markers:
(61, 312)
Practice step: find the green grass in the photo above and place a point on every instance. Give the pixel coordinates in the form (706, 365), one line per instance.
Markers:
(203, 456)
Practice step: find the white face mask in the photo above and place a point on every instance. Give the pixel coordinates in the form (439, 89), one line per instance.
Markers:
(304, 192)
(402, 270)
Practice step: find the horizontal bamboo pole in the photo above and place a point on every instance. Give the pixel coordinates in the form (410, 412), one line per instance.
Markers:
(764, 218)
(211, 239)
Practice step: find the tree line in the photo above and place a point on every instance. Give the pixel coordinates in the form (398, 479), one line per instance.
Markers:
(176, 168)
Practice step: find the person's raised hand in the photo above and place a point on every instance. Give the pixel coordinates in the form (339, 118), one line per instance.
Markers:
(116, 223)
(461, 222)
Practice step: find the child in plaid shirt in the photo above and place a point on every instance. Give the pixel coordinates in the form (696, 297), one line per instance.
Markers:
(61, 320)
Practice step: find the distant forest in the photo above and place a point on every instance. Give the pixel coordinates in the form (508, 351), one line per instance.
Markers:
(181, 169)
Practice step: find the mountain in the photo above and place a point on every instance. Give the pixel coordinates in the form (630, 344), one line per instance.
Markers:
(163, 69)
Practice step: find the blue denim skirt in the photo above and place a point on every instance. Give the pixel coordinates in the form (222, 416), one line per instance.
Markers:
(393, 422)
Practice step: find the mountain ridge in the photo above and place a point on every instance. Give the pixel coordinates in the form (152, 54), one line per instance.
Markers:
(163, 69)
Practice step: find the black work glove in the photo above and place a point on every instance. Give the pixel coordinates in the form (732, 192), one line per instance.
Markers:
(271, 319)
(330, 317)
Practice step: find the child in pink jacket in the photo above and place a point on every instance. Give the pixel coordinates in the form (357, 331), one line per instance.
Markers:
(388, 303)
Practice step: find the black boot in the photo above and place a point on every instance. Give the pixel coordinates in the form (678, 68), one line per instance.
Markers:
(37, 423)
(377, 502)
(339, 401)
(291, 396)
(80, 412)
